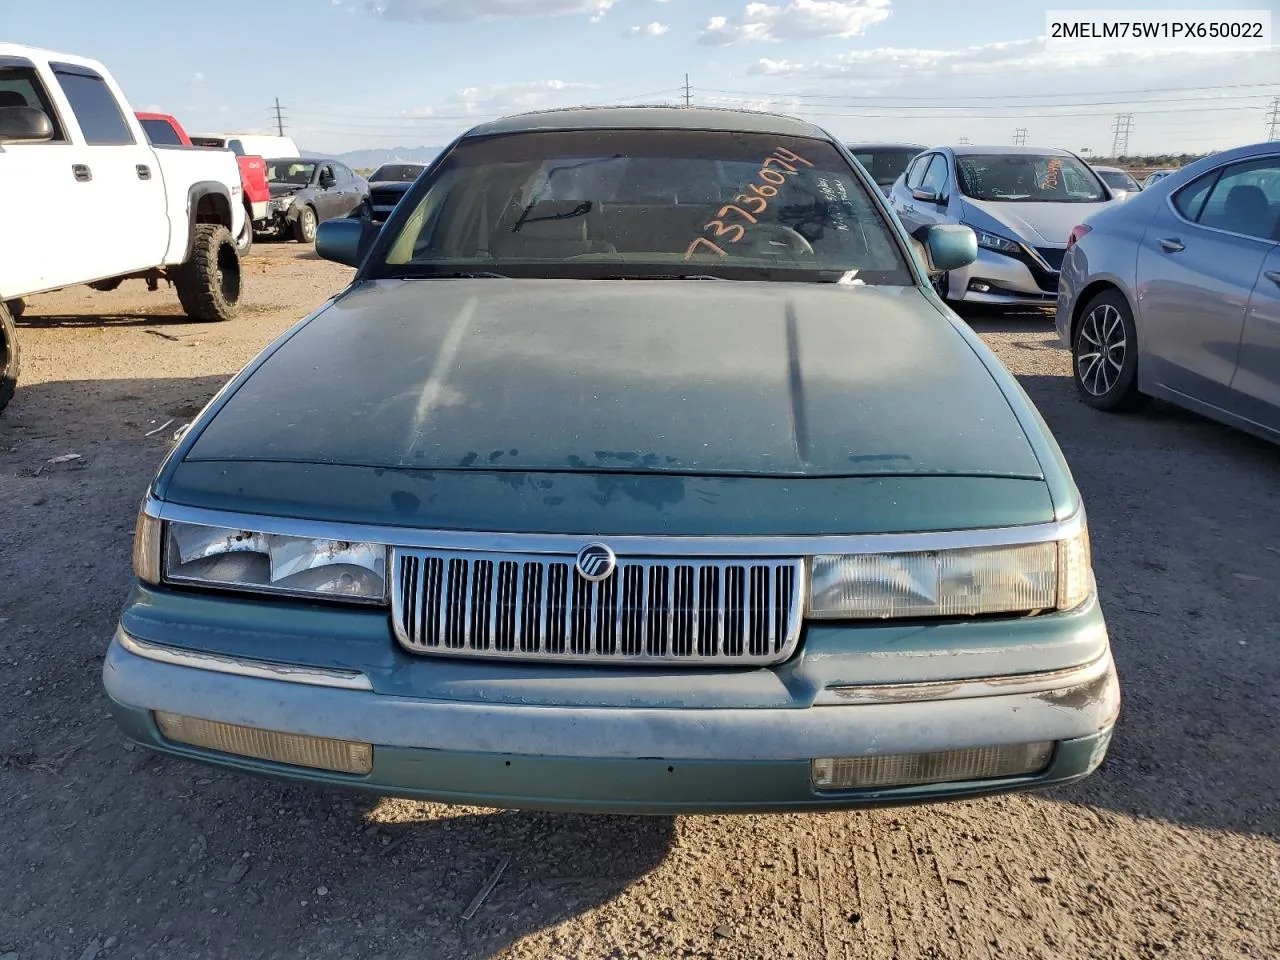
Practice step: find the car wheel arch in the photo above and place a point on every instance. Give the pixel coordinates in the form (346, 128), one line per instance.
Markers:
(1087, 295)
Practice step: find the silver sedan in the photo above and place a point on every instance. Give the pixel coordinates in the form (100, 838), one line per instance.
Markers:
(1176, 294)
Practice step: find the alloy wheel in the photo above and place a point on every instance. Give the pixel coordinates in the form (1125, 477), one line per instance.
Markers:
(1101, 352)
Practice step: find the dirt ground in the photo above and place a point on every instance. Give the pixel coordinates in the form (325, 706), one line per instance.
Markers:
(1171, 850)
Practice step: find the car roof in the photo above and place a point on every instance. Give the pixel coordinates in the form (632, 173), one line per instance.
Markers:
(969, 150)
(650, 118)
(884, 145)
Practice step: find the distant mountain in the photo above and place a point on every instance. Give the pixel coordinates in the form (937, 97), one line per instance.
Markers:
(376, 158)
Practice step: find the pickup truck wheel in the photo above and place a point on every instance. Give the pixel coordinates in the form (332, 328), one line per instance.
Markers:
(304, 228)
(245, 241)
(8, 356)
(208, 283)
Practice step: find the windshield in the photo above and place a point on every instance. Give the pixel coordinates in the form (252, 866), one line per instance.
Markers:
(397, 171)
(637, 204)
(290, 171)
(885, 165)
(1026, 177)
(1117, 179)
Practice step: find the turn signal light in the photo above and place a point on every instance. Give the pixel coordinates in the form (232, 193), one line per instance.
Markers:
(915, 769)
(297, 750)
(1077, 234)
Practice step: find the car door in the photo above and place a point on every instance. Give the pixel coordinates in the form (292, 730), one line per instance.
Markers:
(123, 217)
(910, 210)
(35, 177)
(1198, 264)
(328, 193)
(1256, 387)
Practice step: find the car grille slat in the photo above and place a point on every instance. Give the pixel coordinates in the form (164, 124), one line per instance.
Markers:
(538, 607)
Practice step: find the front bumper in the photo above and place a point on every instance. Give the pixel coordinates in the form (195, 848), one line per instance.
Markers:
(1008, 281)
(637, 759)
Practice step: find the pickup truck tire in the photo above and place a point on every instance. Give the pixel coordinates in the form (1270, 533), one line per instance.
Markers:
(304, 228)
(208, 283)
(244, 242)
(8, 356)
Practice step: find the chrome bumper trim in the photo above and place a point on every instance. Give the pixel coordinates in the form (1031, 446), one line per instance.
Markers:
(1018, 684)
(240, 667)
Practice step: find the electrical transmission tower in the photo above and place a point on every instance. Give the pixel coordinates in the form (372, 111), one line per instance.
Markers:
(1020, 137)
(688, 92)
(964, 140)
(1121, 128)
(279, 117)
(1273, 120)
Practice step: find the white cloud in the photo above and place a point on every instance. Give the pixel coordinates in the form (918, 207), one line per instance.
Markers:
(796, 20)
(502, 98)
(654, 29)
(458, 11)
(197, 77)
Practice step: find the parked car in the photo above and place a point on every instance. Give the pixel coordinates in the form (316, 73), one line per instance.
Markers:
(1021, 201)
(538, 513)
(1156, 176)
(886, 162)
(163, 130)
(1177, 296)
(388, 184)
(249, 144)
(306, 191)
(1119, 181)
(90, 201)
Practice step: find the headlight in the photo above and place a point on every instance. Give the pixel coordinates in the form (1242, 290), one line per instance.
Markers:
(285, 202)
(993, 241)
(246, 560)
(1024, 578)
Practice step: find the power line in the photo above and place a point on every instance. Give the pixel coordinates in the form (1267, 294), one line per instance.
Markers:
(1273, 120)
(1121, 128)
(1012, 96)
(1020, 137)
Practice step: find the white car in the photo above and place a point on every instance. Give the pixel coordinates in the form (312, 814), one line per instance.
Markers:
(87, 199)
(1022, 202)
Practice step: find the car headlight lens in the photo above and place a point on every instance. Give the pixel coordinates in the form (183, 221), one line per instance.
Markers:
(299, 566)
(993, 241)
(285, 202)
(1023, 578)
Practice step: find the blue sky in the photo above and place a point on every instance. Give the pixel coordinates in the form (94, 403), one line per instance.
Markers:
(382, 73)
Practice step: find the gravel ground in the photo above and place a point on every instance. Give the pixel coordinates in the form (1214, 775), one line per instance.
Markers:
(1171, 850)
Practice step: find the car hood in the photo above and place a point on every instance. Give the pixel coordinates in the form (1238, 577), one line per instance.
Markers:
(1039, 224)
(283, 189)
(636, 377)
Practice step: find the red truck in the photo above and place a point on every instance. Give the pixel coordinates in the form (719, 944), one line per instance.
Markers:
(164, 129)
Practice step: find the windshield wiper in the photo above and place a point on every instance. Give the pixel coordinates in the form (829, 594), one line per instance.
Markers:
(461, 275)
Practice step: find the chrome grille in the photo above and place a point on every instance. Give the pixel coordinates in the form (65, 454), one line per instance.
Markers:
(537, 607)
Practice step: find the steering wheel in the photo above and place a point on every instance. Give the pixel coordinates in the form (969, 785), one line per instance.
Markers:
(791, 238)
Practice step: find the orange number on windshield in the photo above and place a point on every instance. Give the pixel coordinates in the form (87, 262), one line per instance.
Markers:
(764, 204)
(780, 162)
(702, 242)
(763, 191)
(723, 229)
(725, 211)
(786, 154)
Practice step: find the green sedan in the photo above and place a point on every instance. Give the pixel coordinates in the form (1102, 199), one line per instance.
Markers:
(638, 469)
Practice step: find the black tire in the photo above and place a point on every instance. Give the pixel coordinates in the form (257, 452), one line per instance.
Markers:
(208, 283)
(9, 356)
(17, 308)
(244, 242)
(1104, 355)
(941, 284)
(304, 228)
(364, 211)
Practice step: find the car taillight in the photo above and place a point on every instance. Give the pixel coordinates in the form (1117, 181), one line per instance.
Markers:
(1077, 234)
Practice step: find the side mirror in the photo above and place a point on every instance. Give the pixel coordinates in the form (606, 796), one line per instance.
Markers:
(24, 125)
(951, 246)
(926, 196)
(346, 241)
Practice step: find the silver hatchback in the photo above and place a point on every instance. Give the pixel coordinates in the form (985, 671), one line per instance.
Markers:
(1176, 294)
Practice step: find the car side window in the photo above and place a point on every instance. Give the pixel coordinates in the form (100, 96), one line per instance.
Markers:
(917, 170)
(1189, 201)
(1245, 199)
(21, 87)
(326, 174)
(935, 178)
(344, 174)
(95, 107)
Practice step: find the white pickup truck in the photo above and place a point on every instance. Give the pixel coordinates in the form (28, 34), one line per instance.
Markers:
(84, 197)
